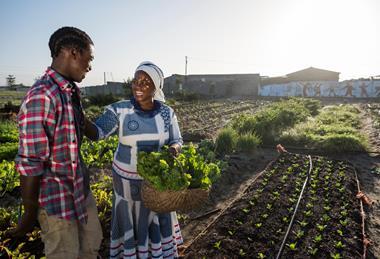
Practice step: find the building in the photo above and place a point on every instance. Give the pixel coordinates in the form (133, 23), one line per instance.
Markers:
(216, 85)
(304, 75)
(313, 74)
(114, 88)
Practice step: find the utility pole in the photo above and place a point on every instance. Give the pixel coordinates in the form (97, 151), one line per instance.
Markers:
(105, 80)
(185, 65)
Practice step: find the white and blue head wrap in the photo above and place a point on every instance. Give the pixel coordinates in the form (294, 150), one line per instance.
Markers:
(156, 74)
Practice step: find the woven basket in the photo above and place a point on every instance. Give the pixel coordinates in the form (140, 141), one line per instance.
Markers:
(167, 201)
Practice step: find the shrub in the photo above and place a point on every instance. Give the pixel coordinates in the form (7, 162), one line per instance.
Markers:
(8, 150)
(93, 112)
(312, 105)
(275, 118)
(226, 141)
(8, 131)
(247, 143)
(102, 100)
(343, 142)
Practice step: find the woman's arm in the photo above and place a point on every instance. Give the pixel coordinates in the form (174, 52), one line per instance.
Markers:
(104, 126)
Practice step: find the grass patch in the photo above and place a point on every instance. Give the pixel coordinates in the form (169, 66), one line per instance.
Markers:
(335, 129)
(268, 123)
(247, 143)
(226, 141)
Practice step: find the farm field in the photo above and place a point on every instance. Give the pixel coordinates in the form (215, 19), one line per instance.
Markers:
(250, 208)
(327, 223)
(11, 96)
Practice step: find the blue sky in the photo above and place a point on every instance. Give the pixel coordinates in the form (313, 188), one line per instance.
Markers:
(270, 37)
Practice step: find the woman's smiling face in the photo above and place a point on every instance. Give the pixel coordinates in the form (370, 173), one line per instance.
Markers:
(143, 87)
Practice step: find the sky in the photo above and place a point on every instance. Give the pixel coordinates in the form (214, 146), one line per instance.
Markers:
(269, 37)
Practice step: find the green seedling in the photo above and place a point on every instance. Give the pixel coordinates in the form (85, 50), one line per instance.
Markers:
(327, 208)
(343, 222)
(321, 227)
(299, 234)
(245, 210)
(217, 244)
(292, 246)
(336, 256)
(339, 245)
(260, 256)
(318, 239)
(312, 251)
(308, 213)
(303, 223)
(344, 213)
(326, 218)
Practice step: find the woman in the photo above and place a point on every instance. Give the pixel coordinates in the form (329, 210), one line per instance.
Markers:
(144, 123)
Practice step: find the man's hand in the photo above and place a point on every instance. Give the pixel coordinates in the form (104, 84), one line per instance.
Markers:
(25, 225)
(30, 189)
(90, 130)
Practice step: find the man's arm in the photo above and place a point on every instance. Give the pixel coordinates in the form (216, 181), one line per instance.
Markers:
(30, 187)
(36, 121)
(90, 130)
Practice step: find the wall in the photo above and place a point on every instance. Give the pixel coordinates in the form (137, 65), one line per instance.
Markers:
(347, 89)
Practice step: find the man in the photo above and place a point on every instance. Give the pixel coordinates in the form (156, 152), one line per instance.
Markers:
(54, 179)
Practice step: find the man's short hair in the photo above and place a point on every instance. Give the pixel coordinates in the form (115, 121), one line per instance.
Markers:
(70, 37)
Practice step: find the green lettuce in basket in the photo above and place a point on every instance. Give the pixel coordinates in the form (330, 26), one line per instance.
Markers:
(188, 170)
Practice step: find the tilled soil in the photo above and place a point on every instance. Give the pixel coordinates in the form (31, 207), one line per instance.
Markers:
(248, 228)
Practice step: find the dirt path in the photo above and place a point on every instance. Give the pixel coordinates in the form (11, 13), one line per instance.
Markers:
(370, 181)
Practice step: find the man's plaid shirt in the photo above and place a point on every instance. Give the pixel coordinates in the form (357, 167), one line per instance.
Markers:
(48, 146)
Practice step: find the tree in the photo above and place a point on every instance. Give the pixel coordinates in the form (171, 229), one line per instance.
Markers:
(128, 88)
(11, 80)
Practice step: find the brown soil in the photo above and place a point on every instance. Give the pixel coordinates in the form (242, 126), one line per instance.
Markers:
(244, 169)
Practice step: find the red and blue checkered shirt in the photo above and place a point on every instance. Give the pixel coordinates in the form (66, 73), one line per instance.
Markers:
(48, 146)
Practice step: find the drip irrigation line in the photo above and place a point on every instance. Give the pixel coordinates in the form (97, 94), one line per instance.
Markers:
(362, 213)
(295, 210)
(322, 151)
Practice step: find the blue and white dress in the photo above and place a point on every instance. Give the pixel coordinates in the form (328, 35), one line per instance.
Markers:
(138, 232)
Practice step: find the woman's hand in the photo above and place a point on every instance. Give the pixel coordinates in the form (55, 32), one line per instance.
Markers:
(174, 150)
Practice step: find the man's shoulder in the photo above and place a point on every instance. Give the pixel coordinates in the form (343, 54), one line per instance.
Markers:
(44, 86)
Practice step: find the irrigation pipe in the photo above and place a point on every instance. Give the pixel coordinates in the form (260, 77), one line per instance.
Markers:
(295, 210)
(366, 241)
(322, 151)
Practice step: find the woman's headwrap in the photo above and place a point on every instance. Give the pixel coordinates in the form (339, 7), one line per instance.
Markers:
(156, 74)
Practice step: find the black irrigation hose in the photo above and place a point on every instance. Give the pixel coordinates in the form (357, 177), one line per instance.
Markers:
(309, 150)
(295, 210)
